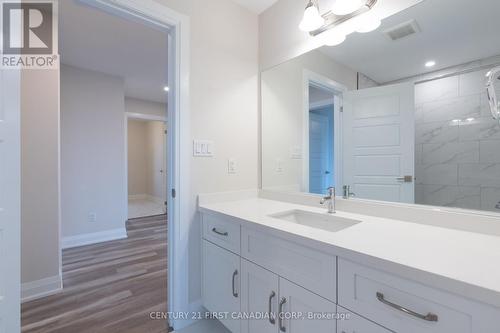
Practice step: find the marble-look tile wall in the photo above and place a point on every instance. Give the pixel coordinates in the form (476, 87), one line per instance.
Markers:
(457, 159)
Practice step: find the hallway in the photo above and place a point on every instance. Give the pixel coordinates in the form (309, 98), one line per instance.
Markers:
(109, 287)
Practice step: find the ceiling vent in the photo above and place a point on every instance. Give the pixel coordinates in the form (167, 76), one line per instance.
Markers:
(403, 30)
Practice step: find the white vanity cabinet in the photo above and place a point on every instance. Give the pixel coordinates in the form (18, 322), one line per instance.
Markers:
(282, 302)
(353, 323)
(280, 282)
(221, 283)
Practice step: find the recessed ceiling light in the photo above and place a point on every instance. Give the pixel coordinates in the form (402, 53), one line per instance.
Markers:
(430, 63)
(166, 88)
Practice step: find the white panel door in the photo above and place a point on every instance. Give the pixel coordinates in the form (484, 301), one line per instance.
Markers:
(379, 142)
(295, 306)
(221, 283)
(259, 296)
(10, 185)
(320, 152)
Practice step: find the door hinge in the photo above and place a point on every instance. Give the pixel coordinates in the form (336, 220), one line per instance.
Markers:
(165, 131)
(173, 193)
(341, 109)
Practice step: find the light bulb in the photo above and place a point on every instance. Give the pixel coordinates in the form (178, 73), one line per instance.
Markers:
(430, 63)
(344, 7)
(334, 38)
(312, 19)
(367, 23)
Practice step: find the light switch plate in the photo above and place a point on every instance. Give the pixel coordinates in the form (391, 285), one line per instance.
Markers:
(203, 148)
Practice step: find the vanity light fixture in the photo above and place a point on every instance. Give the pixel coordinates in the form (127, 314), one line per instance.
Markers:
(430, 63)
(344, 7)
(334, 38)
(366, 23)
(312, 20)
(341, 11)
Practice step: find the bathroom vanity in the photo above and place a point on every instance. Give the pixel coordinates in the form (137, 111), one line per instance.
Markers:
(295, 268)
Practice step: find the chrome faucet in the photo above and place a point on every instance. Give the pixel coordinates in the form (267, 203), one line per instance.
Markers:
(331, 200)
(346, 193)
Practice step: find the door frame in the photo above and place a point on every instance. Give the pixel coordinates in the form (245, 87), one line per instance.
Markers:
(177, 26)
(338, 89)
(145, 117)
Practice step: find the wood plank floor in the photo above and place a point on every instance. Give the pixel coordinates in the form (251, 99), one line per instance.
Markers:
(109, 287)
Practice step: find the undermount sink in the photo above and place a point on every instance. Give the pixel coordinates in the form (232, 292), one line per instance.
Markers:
(325, 221)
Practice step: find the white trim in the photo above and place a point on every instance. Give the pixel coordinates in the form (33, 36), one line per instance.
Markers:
(322, 103)
(338, 90)
(179, 124)
(41, 288)
(93, 238)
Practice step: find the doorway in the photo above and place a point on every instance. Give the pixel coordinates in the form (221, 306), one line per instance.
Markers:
(146, 167)
(321, 140)
(322, 133)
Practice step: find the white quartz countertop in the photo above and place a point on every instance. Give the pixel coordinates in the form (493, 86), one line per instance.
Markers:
(462, 262)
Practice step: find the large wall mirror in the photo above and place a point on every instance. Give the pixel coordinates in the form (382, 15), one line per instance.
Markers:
(399, 114)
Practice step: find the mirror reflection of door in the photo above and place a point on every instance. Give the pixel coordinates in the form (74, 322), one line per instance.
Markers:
(378, 142)
(321, 140)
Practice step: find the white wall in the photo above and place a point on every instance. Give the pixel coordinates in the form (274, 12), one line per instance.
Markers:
(135, 105)
(282, 114)
(40, 210)
(224, 106)
(92, 152)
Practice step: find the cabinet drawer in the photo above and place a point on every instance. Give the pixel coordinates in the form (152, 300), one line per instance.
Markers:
(405, 306)
(309, 268)
(356, 324)
(222, 231)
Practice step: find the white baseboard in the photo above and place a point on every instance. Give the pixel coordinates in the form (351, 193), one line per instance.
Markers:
(93, 238)
(41, 288)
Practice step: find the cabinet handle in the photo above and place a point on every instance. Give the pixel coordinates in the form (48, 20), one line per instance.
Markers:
(220, 232)
(280, 317)
(272, 320)
(427, 317)
(235, 293)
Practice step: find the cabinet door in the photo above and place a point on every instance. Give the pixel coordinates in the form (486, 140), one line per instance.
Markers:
(297, 305)
(352, 323)
(221, 283)
(259, 298)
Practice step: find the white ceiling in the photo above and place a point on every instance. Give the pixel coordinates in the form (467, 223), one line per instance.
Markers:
(257, 6)
(98, 41)
(453, 32)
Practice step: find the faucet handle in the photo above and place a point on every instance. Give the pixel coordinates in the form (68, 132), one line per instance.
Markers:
(331, 190)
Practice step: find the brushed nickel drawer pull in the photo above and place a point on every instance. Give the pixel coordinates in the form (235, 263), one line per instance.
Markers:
(225, 233)
(427, 317)
(280, 318)
(235, 293)
(272, 320)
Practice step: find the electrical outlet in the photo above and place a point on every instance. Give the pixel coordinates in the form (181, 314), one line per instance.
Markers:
(231, 166)
(92, 217)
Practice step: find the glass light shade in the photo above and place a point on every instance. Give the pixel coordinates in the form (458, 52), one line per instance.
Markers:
(367, 24)
(334, 38)
(312, 19)
(344, 7)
